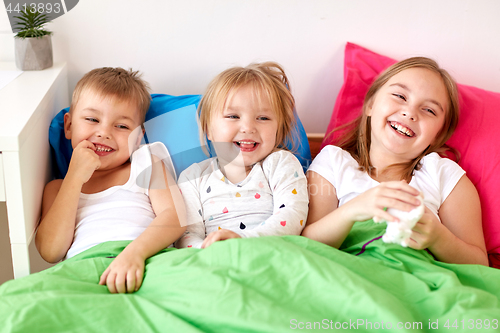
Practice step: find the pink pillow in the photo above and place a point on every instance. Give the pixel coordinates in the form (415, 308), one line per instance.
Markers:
(476, 137)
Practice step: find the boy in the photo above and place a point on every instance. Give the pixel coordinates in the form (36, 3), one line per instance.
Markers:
(100, 198)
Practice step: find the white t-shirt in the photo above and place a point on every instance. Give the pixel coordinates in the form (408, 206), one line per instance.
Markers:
(119, 212)
(436, 178)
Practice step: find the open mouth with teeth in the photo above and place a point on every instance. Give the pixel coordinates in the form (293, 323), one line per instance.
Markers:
(403, 130)
(246, 146)
(102, 150)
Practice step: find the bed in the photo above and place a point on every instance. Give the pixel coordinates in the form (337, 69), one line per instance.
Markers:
(275, 284)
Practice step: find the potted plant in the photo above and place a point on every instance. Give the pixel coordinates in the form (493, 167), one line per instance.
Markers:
(33, 43)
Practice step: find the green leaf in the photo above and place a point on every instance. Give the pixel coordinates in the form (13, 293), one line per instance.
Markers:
(31, 24)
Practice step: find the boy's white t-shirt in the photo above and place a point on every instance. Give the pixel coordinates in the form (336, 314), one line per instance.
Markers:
(436, 178)
(119, 212)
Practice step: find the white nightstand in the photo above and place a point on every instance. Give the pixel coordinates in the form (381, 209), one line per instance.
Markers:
(27, 105)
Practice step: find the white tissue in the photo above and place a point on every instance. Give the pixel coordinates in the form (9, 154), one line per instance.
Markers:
(400, 232)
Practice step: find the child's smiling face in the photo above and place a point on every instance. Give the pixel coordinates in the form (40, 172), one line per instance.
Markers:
(407, 113)
(113, 126)
(245, 129)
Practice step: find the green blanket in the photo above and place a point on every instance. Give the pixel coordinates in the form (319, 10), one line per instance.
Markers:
(268, 284)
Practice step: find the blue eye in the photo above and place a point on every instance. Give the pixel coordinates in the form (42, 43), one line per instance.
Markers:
(264, 118)
(122, 126)
(93, 120)
(232, 116)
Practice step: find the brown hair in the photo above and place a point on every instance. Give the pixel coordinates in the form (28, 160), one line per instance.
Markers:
(357, 140)
(124, 85)
(268, 78)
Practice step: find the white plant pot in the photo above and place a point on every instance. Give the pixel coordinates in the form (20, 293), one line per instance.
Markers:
(33, 54)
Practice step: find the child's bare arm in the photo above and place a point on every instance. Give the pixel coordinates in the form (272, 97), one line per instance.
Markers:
(331, 225)
(60, 203)
(125, 273)
(459, 238)
(322, 202)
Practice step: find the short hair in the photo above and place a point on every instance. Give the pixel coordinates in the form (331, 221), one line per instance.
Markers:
(124, 85)
(268, 78)
(358, 139)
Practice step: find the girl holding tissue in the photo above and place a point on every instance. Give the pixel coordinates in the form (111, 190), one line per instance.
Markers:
(390, 157)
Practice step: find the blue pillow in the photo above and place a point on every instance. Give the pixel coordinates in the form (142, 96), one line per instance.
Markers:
(60, 147)
(171, 120)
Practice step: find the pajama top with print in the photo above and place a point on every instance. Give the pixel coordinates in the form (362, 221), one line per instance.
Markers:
(271, 201)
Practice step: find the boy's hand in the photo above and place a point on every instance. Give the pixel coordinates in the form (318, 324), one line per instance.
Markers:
(124, 274)
(84, 161)
(218, 235)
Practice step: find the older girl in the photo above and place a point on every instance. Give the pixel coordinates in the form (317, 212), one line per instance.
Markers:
(390, 156)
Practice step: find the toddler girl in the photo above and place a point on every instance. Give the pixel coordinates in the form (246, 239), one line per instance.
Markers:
(253, 187)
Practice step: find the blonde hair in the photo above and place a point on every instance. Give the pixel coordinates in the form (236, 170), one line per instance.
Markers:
(124, 85)
(357, 140)
(268, 78)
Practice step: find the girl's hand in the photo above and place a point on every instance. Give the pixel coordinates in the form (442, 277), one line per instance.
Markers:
(372, 203)
(84, 161)
(124, 274)
(218, 235)
(426, 232)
